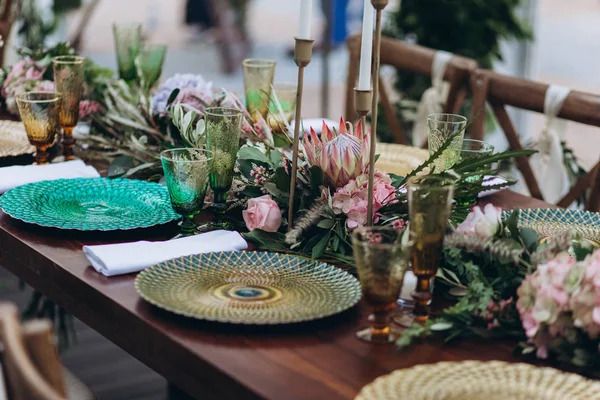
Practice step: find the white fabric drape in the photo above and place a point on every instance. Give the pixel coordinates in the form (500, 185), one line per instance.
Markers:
(548, 164)
(433, 98)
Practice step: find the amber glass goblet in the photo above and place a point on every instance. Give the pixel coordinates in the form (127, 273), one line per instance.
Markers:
(258, 81)
(381, 261)
(429, 202)
(68, 80)
(40, 114)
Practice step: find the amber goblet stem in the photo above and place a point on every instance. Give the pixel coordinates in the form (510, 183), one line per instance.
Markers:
(68, 143)
(42, 156)
(422, 296)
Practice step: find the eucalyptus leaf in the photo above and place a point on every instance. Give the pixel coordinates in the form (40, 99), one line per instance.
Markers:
(326, 223)
(172, 96)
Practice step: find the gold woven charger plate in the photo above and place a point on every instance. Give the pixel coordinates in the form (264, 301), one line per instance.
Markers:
(13, 139)
(549, 222)
(254, 288)
(475, 380)
(399, 159)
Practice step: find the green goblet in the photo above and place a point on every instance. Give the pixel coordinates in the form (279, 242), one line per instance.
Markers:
(223, 129)
(186, 172)
(128, 40)
(440, 128)
(258, 80)
(151, 59)
(471, 149)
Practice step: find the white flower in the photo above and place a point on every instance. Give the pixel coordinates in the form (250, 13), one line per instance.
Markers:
(484, 224)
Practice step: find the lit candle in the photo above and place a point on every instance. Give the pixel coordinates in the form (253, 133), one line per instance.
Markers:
(305, 19)
(366, 47)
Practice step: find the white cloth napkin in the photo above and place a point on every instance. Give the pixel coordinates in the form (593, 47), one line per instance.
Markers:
(125, 258)
(433, 98)
(11, 177)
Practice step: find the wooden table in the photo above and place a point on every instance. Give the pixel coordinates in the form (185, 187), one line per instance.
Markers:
(319, 360)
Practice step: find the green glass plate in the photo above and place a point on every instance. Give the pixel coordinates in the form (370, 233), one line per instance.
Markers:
(253, 288)
(90, 204)
(548, 222)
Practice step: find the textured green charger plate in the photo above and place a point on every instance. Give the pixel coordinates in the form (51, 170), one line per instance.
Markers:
(90, 204)
(548, 222)
(252, 288)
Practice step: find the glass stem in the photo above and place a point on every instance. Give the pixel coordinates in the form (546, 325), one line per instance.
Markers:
(42, 156)
(187, 225)
(68, 143)
(380, 326)
(219, 205)
(422, 295)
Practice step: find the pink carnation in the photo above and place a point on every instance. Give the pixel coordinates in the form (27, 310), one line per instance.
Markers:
(352, 198)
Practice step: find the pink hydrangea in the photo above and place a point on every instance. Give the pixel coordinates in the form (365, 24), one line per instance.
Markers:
(559, 298)
(352, 198)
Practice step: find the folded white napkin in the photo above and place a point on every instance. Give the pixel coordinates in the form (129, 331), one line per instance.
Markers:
(125, 258)
(18, 175)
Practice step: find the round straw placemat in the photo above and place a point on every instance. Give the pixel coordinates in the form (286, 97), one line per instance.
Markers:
(475, 380)
(13, 139)
(399, 159)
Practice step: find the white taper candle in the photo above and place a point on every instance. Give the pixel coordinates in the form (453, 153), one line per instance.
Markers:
(306, 7)
(366, 47)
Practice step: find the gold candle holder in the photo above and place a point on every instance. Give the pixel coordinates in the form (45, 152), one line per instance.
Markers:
(302, 57)
(379, 5)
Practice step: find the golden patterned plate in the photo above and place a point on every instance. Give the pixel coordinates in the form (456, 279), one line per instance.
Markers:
(475, 380)
(253, 288)
(13, 139)
(399, 159)
(548, 222)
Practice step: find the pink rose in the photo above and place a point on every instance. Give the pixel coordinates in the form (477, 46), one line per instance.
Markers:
(262, 213)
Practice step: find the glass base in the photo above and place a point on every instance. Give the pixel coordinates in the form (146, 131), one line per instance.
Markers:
(407, 319)
(215, 226)
(375, 336)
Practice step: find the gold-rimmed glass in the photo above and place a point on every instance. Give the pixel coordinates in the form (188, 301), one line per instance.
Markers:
(128, 40)
(223, 130)
(40, 114)
(68, 81)
(381, 261)
(472, 149)
(440, 128)
(186, 173)
(429, 203)
(258, 80)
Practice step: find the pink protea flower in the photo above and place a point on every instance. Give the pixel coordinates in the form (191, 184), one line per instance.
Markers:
(342, 155)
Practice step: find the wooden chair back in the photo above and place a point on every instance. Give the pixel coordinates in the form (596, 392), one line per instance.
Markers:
(413, 58)
(9, 11)
(501, 91)
(29, 358)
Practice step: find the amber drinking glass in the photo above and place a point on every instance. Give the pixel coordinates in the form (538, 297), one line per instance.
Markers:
(440, 128)
(381, 261)
(128, 40)
(186, 172)
(68, 80)
(429, 202)
(471, 149)
(40, 114)
(258, 80)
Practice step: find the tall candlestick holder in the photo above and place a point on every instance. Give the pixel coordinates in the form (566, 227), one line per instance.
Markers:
(362, 104)
(302, 57)
(379, 5)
